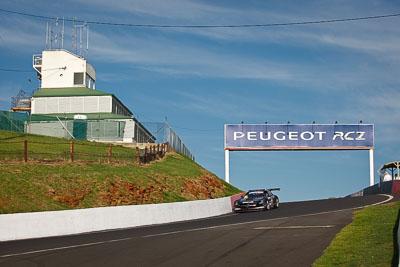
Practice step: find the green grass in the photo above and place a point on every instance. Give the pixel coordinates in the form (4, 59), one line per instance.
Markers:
(370, 240)
(42, 185)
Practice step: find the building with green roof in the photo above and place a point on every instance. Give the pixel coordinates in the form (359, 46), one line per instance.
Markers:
(70, 106)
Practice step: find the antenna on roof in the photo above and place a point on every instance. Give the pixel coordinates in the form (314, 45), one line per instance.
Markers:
(82, 29)
(53, 36)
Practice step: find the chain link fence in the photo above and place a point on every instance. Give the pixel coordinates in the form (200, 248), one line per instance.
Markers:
(165, 134)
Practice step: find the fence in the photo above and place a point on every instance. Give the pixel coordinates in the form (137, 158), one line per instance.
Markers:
(102, 128)
(162, 131)
(92, 129)
(176, 143)
(12, 121)
(25, 150)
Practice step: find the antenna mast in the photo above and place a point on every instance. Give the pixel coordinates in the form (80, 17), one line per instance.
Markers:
(82, 29)
(53, 36)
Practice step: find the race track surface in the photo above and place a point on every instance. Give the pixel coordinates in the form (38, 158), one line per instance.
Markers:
(293, 235)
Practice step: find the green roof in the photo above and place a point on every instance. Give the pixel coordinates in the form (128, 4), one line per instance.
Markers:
(69, 91)
(70, 116)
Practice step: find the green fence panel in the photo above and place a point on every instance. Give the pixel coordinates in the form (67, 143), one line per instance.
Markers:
(80, 129)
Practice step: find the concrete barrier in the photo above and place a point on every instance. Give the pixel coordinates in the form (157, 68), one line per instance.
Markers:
(389, 187)
(236, 197)
(56, 223)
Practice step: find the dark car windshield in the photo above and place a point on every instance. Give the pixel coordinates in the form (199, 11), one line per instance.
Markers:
(254, 194)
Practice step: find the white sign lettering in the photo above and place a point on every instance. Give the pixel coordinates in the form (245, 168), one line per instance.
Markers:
(295, 136)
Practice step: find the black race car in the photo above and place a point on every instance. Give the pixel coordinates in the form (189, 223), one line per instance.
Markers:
(262, 199)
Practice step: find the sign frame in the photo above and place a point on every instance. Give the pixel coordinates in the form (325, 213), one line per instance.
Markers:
(352, 139)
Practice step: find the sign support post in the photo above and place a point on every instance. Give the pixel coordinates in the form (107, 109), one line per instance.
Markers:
(227, 166)
(371, 167)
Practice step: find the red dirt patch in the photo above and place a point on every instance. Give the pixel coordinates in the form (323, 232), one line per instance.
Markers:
(127, 193)
(206, 187)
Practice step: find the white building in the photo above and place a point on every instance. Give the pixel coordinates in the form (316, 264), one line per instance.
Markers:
(61, 68)
(68, 105)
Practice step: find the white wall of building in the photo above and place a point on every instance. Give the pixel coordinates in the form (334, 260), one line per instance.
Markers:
(58, 68)
(71, 104)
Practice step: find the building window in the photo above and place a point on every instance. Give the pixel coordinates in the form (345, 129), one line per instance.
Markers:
(78, 78)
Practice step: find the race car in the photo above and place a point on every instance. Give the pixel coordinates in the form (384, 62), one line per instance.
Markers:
(261, 199)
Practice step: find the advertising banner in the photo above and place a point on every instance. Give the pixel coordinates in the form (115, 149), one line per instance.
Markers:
(298, 136)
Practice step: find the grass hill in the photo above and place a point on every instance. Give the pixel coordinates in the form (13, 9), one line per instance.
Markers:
(46, 183)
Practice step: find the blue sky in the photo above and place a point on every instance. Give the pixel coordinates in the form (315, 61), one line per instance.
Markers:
(203, 78)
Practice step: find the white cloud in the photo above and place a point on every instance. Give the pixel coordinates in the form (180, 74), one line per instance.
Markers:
(173, 57)
(22, 34)
(173, 52)
(228, 105)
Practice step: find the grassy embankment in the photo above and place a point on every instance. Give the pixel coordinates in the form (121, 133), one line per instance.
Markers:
(58, 185)
(370, 240)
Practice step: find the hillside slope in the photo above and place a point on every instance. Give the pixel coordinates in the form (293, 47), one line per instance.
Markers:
(58, 185)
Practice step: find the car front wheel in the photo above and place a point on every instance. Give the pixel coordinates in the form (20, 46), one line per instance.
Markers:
(276, 203)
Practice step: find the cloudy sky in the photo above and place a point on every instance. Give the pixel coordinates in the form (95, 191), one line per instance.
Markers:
(203, 78)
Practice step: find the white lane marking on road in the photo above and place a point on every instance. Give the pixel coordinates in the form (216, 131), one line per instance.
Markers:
(274, 236)
(191, 230)
(266, 220)
(387, 200)
(66, 247)
(293, 227)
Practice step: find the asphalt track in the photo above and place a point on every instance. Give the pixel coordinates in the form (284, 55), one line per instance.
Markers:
(293, 235)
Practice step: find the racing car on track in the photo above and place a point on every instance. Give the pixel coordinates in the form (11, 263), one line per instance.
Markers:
(261, 199)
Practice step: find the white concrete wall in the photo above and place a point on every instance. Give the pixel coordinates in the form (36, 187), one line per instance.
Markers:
(56, 223)
(59, 66)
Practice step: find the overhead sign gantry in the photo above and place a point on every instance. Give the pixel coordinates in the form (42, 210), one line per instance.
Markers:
(250, 137)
